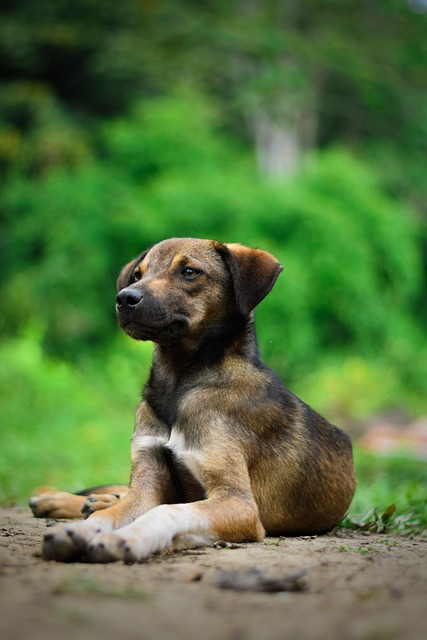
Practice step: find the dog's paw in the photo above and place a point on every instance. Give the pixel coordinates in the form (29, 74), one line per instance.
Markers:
(96, 502)
(135, 550)
(119, 545)
(41, 505)
(106, 547)
(55, 504)
(67, 542)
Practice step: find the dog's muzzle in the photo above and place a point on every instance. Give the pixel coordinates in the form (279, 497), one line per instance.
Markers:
(144, 317)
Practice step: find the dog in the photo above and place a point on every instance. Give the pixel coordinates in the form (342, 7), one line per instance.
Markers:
(221, 449)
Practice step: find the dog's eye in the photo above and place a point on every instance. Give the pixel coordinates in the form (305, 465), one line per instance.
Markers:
(136, 276)
(189, 273)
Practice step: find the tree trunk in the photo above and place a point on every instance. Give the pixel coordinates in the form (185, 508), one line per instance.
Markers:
(280, 145)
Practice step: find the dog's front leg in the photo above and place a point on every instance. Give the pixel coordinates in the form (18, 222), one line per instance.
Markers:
(229, 513)
(183, 526)
(150, 485)
(150, 475)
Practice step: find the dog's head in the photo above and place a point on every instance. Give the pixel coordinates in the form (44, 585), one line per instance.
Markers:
(184, 288)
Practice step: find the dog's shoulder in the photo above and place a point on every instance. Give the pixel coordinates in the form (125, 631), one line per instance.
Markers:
(243, 392)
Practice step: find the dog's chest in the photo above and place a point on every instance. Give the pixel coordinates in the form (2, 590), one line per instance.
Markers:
(188, 456)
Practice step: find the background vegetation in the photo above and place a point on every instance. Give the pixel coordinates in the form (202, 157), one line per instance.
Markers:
(300, 128)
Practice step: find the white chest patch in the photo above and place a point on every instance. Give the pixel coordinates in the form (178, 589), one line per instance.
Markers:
(190, 457)
(145, 442)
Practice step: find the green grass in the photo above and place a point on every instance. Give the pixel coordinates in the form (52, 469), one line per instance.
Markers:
(70, 427)
(63, 426)
(391, 494)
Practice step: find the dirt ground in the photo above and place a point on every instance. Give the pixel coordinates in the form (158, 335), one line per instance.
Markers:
(356, 587)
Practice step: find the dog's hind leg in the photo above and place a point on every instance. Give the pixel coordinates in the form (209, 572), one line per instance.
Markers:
(56, 504)
(50, 503)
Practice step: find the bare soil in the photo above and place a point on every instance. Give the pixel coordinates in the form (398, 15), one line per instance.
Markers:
(356, 587)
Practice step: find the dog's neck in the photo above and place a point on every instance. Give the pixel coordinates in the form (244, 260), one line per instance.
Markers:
(176, 365)
(238, 338)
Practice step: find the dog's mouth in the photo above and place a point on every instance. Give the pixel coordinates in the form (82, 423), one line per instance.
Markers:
(159, 332)
(152, 321)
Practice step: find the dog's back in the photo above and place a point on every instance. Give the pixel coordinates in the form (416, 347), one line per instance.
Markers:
(300, 465)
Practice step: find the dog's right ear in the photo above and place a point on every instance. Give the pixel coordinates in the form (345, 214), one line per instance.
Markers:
(125, 274)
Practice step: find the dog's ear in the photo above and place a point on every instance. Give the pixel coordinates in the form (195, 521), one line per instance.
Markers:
(254, 273)
(128, 269)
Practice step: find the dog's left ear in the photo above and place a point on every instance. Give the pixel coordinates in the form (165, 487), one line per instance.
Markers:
(125, 273)
(254, 273)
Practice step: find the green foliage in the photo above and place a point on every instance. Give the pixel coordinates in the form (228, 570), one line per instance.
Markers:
(349, 253)
(51, 274)
(409, 523)
(359, 387)
(36, 133)
(172, 134)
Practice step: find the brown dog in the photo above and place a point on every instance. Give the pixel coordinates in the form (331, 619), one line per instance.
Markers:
(221, 449)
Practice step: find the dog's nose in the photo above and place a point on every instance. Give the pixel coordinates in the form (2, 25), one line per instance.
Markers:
(128, 298)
